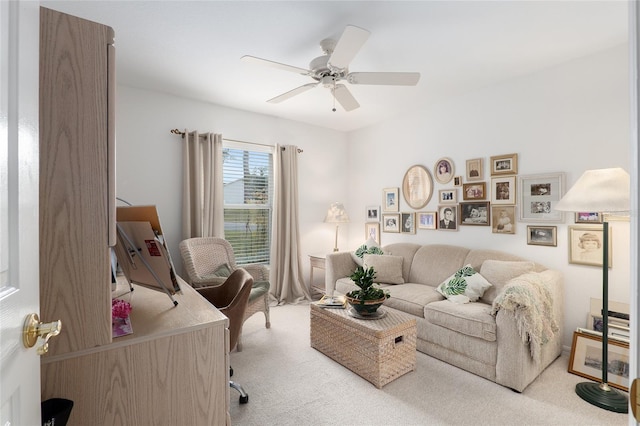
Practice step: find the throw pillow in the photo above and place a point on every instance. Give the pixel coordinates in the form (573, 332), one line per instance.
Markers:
(466, 282)
(388, 268)
(370, 247)
(222, 271)
(499, 272)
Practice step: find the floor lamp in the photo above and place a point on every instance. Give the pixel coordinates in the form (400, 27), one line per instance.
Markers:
(336, 214)
(603, 191)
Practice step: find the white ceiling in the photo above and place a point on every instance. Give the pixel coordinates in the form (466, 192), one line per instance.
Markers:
(193, 48)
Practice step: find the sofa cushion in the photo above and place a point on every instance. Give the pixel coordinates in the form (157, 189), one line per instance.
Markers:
(466, 281)
(433, 263)
(499, 272)
(411, 298)
(471, 319)
(388, 268)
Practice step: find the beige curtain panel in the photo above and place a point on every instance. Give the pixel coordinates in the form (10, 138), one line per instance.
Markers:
(202, 190)
(287, 282)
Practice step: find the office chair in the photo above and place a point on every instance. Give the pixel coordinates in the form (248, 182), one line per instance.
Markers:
(231, 299)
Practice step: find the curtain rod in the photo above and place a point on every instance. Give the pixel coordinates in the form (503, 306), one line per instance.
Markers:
(178, 132)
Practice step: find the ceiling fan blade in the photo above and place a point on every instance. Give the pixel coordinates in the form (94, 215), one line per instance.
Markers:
(348, 46)
(260, 61)
(292, 93)
(384, 78)
(345, 98)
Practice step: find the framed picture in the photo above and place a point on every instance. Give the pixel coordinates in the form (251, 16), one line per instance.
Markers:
(539, 195)
(372, 230)
(474, 191)
(503, 190)
(390, 200)
(585, 245)
(586, 360)
(503, 219)
(448, 218)
(457, 181)
(588, 217)
(444, 170)
(542, 235)
(373, 213)
(474, 169)
(427, 220)
(504, 165)
(408, 223)
(417, 187)
(475, 213)
(447, 196)
(391, 222)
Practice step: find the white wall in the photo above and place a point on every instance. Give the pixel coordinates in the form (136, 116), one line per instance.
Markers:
(149, 159)
(568, 119)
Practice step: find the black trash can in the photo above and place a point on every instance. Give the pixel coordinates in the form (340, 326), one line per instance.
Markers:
(56, 411)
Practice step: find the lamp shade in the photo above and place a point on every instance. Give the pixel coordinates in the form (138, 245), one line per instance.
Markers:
(601, 190)
(336, 214)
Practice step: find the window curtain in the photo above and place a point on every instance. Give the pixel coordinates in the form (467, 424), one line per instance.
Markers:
(202, 191)
(287, 283)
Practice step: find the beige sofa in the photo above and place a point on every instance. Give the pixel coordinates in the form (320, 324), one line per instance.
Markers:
(469, 336)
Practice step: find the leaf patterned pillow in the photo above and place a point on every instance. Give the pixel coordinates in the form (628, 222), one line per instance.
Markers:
(466, 282)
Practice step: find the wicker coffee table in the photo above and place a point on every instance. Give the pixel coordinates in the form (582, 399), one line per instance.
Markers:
(379, 350)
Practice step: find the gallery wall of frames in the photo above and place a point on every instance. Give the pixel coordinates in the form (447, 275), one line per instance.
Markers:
(485, 194)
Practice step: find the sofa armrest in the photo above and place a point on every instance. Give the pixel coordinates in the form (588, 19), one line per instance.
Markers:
(338, 265)
(515, 368)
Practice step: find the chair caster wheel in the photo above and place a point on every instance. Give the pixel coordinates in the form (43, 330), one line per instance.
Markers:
(244, 399)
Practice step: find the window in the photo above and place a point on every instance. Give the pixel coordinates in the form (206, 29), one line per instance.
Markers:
(248, 193)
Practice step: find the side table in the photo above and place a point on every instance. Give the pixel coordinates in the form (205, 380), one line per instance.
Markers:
(316, 261)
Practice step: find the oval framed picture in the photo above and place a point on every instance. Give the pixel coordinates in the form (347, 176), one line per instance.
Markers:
(417, 187)
(444, 170)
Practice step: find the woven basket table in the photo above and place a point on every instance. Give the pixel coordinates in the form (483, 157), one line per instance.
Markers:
(379, 350)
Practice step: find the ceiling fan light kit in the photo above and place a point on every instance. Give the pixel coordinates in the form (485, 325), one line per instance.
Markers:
(333, 67)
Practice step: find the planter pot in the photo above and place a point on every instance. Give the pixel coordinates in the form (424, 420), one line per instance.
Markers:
(365, 307)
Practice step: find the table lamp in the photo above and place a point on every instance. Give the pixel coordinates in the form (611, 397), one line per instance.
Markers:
(336, 214)
(604, 191)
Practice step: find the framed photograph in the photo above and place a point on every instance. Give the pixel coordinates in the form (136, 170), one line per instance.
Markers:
(390, 200)
(503, 190)
(542, 235)
(391, 222)
(447, 196)
(457, 181)
(585, 245)
(503, 219)
(474, 169)
(448, 218)
(588, 217)
(444, 170)
(586, 360)
(427, 220)
(373, 213)
(417, 187)
(408, 223)
(539, 195)
(475, 213)
(504, 165)
(474, 191)
(372, 230)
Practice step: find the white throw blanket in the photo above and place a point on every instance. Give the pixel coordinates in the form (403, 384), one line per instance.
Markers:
(529, 298)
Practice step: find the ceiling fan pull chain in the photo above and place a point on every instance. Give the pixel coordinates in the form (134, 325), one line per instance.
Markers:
(334, 95)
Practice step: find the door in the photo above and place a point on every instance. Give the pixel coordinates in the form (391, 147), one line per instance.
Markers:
(19, 277)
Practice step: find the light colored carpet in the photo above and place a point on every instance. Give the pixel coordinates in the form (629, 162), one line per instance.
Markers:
(290, 383)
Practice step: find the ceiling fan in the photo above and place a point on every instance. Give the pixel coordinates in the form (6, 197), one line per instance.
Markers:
(333, 67)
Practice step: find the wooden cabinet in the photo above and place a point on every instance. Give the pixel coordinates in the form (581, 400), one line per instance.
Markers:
(316, 261)
(76, 178)
(174, 368)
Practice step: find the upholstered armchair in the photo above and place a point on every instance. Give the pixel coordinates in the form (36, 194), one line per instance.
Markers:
(208, 261)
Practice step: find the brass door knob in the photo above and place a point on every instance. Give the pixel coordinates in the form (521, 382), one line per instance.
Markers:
(33, 329)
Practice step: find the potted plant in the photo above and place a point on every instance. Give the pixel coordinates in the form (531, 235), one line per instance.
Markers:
(368, 298)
